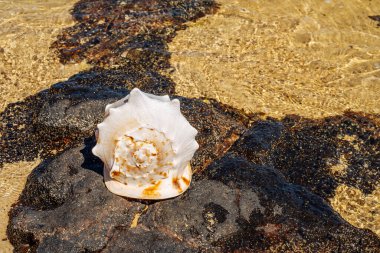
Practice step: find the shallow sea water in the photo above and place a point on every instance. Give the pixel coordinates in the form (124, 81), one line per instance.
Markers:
(27, 66)
(310, 58)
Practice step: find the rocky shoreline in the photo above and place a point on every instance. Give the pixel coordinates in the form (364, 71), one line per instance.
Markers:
(232, 205)
(260, 184)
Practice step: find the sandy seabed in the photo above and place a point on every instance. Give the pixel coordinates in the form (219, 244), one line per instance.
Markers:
(310, 58)
(27, 66)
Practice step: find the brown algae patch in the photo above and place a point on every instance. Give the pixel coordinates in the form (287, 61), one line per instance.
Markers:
(118, 33)
(27, 64)
(361, 210)
(311, 58)
(13, 177)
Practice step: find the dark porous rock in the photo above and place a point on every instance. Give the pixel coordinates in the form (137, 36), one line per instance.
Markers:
(143, 240)
(65, 206)
(54, 119)
(257, 143)
(233, 206)
(62, 116)
(67, 115)
(76, 109)
(267, 213)
(318, 154)
(127, 77)
(77, 105)
(217, 130)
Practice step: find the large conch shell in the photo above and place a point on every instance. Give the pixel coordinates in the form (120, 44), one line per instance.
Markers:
(146, 145)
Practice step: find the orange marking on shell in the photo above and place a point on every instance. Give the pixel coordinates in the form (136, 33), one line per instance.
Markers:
(152, 190)
(129, 168)
(118, 176)
(115, 173)
(177, 184)
(152, 181)
(185, 180)
(163, 173)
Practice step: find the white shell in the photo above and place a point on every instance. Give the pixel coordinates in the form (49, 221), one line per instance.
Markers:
(146, 145)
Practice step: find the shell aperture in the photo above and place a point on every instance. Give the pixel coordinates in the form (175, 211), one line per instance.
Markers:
(146, 145)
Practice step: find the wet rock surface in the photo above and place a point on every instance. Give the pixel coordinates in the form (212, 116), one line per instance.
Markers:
(56, 118)
(217, 129)
(233, 205)
(318, 154)
(68, 201)
(275, 215)
(118, 32)
(69, 112)
(135, 241)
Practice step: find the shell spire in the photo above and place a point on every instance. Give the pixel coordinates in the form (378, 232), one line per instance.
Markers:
(146, 145)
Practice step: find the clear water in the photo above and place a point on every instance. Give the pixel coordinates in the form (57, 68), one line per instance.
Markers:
(310, 58)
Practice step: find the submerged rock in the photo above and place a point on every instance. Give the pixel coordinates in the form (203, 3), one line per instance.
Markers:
(120, 32)
(233, 205)
(318, 154)
(376, 18)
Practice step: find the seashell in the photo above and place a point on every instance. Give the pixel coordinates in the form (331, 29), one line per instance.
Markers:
(146, 145)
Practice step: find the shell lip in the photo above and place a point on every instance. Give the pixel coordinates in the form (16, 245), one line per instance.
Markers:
(167, 188)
